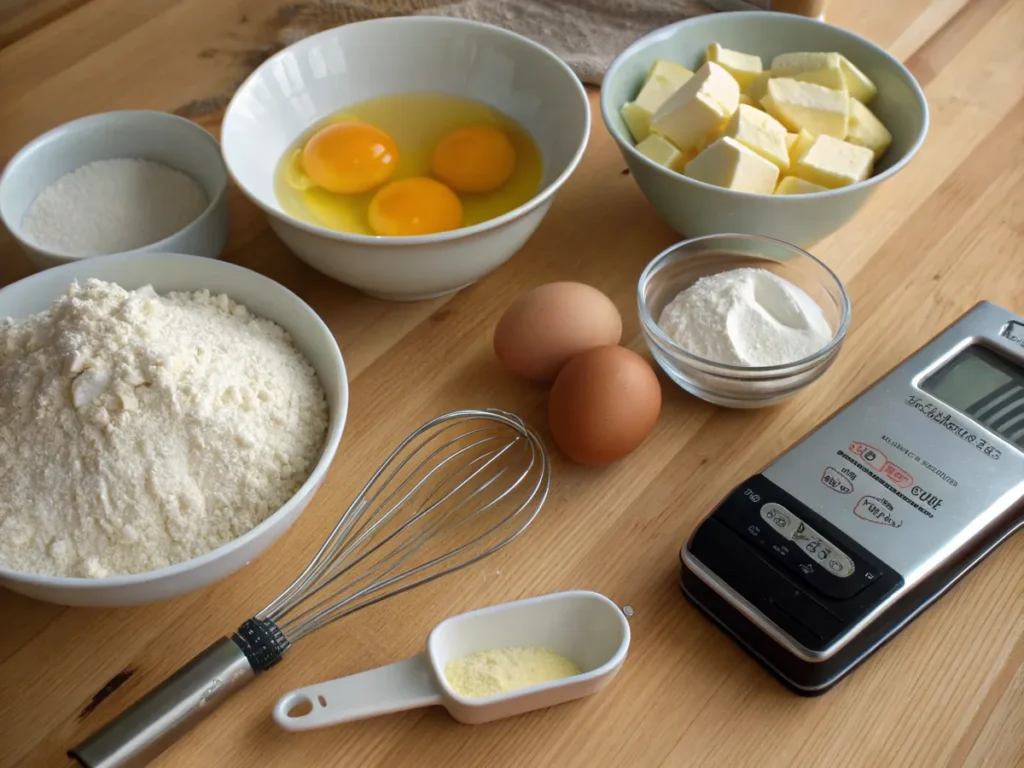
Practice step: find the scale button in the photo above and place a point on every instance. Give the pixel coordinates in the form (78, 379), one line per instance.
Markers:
(780, 518)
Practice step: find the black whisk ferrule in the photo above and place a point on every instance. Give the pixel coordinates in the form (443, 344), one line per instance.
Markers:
(262, 642)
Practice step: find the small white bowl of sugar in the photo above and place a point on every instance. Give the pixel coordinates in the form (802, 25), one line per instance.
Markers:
(117, 182)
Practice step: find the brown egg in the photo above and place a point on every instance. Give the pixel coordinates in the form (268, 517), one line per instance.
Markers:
(603, 405)
(544, 328)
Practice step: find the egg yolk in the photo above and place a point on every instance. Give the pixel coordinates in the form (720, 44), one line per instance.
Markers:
(479, 158)
(349, 157)
(416, 206)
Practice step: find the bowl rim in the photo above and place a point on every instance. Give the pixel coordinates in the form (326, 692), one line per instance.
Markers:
(335, 427)
(765, 17)
(649, 324)
(538, 199)
(68, 129)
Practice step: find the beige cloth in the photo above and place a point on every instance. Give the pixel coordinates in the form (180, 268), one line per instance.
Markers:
(586, 34)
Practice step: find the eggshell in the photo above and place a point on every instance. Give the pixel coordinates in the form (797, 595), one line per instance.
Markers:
(544, 328)
(603, 405)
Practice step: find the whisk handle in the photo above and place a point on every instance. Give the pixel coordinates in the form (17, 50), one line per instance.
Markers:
(397, 687)
(162, 716)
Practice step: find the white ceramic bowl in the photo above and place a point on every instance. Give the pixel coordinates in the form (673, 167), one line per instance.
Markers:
(170, 272)
(694, 208)
(157, 136)
(321, 74)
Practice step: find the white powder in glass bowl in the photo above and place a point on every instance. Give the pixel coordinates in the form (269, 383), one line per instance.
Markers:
(747, 317)
(138, 431)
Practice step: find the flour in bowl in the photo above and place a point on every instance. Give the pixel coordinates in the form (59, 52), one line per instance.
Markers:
(746, 317)
(138, 431)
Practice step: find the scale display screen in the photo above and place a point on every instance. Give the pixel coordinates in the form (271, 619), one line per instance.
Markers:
(985, 386)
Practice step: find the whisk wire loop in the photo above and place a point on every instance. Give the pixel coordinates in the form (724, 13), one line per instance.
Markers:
(454, 492)
(406, 548)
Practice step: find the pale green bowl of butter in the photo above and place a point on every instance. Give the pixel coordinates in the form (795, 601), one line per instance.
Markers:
(694, 208)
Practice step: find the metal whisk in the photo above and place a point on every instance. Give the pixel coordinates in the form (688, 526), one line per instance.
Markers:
(455, 491)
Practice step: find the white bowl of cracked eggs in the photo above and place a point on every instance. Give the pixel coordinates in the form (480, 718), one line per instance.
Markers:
(155, 440)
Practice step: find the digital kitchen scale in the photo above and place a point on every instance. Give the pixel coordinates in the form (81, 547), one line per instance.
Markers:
(841, 541)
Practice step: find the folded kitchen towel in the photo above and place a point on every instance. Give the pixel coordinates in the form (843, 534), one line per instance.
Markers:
(586, 34)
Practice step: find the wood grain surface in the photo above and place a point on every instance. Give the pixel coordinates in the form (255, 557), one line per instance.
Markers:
(943, 234)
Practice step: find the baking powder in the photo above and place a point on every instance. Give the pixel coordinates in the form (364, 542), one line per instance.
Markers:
(487, 673)
(748, 317)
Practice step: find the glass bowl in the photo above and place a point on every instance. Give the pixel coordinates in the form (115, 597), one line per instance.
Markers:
(733, 386)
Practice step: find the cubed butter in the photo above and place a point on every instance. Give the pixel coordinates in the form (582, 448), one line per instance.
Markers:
(805, 62)
(663, 79)
(791, 139)
(729, 164)
(742, 66)
(663, 152)
(674, 73)
(857, 83)
(793, 185)
(866, 130)
(807, 106)
(758, 86)
(830, 78)
(799, 146)
(637, 119)
(699, 107)
(760, 132)
(833, 163)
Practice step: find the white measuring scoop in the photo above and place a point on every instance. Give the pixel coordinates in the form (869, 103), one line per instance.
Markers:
(586, 627)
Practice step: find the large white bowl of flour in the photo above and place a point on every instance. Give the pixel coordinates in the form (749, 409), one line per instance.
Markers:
(263, 298)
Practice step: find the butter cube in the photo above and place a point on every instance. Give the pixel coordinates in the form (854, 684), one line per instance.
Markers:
(807, 106)
(799, 146)
(703, 103)
(761, 133)
(866, 130)
(742, 66)
(789, 63)
(663, 79)
(637, 119)
(833, 163)
(792, 185)
(857, 83)
(729, 164)
(758, 86)
(830, 78)
(791, 140)
(662, 152)
(669, 70)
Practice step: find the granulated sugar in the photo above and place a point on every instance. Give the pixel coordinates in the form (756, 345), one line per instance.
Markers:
(747, 317)
(137, 430)
(111, 206)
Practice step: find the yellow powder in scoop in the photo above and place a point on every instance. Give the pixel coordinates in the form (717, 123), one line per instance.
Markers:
(487, 673)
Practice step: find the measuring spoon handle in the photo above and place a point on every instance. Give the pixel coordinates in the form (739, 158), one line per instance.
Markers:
(407, 684)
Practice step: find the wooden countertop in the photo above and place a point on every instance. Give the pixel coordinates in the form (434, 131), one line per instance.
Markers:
(946, 232)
